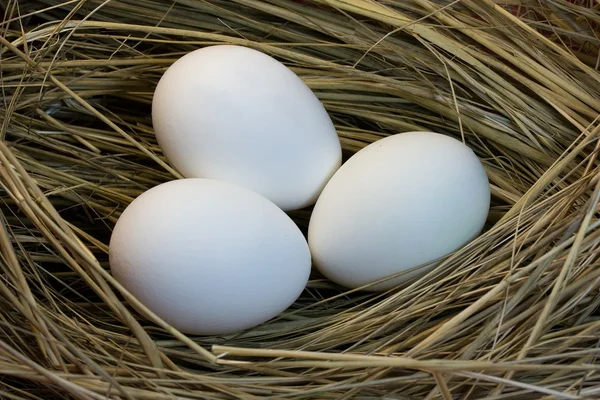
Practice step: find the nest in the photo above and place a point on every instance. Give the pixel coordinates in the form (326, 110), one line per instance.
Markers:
(512, 315)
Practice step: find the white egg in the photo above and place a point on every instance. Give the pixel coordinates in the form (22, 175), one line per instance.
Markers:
(209, 257)
(235, 114)
(399, 203)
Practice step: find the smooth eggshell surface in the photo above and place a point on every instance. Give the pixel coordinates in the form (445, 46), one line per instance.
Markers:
(209, 257)
(399, 203)
(235, 114)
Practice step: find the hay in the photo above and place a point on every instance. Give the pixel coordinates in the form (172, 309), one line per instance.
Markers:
(513, 315)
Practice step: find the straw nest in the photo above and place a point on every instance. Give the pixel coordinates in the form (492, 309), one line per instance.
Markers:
(513, 315)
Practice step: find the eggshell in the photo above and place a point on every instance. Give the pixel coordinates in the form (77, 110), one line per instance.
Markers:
(400, 202)
(235, 114)
(209, 257)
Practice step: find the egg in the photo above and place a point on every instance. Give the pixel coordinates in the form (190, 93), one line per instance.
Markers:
(235, 114)
(399, 203)
(209, 257)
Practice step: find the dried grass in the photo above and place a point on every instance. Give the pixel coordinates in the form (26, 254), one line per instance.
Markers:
(513, 315)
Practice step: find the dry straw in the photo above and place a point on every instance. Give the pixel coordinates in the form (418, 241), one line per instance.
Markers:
(513, 315)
